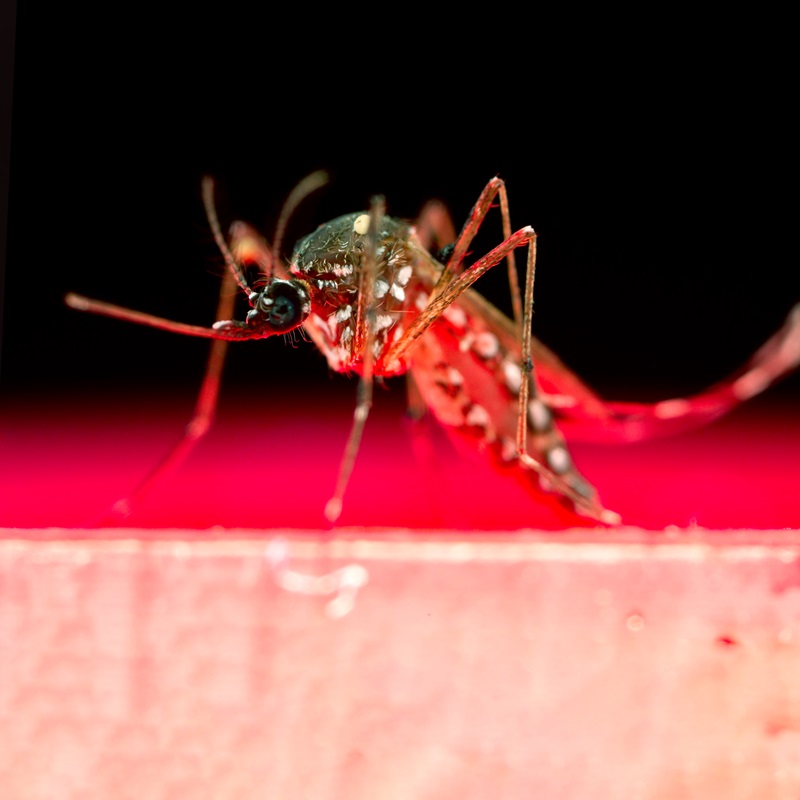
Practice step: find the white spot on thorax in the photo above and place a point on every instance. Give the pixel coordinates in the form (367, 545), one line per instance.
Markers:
(361, 224)
(403, 276)
(344, 313)
(341, 270)
(381, 322)
(381, 287)
(398, 292)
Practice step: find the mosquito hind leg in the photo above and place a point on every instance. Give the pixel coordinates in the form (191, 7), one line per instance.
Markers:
(448, 292)
(584, 503)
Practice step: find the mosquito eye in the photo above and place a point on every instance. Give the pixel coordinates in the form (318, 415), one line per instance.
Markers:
(283, 305)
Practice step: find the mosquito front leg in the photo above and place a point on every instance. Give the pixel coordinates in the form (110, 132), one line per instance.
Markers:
(333, 508)
(204, 410)
(365, 335)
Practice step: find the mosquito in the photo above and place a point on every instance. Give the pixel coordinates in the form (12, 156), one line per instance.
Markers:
(380, 297)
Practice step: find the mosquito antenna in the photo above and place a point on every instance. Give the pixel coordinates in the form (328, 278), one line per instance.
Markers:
(213, 221)
(303, 189)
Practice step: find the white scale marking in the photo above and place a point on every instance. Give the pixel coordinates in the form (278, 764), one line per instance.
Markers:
(558, 460)
(361, 224)
(486, 345)
(513, 376)
(539, 416)
(398, 292)
(479, 416)
(403, 275)
(454, 377)
(382, 321)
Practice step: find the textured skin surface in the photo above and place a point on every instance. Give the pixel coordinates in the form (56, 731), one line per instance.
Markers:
(648, 666)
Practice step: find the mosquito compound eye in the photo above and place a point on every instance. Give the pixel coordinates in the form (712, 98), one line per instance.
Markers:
(282, 306)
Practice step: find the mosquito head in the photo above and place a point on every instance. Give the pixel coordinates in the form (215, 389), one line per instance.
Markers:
(281, 306)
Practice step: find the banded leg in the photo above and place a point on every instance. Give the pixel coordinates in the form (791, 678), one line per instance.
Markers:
(586, 504)
(451, 284)
(496, 187)
(365, 334)
(443, 297)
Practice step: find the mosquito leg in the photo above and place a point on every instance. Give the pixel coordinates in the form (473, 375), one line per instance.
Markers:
(428, 466)
(333, 508)
(419, 427)
(365, 333)
(496, 187)
(203, 412)
(588, 505)
(525, 237)
(443, 297)
(526, 364)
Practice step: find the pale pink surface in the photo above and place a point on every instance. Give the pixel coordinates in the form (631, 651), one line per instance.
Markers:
(513, 667)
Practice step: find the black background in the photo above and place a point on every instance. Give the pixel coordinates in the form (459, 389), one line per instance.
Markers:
(660, 180)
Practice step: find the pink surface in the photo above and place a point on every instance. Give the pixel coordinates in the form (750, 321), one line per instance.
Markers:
(220, 644)
(266, 467)
(435, 669)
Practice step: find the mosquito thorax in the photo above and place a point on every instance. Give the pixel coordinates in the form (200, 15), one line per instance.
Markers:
(281, 306)
(346, 308)
(331, 257)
